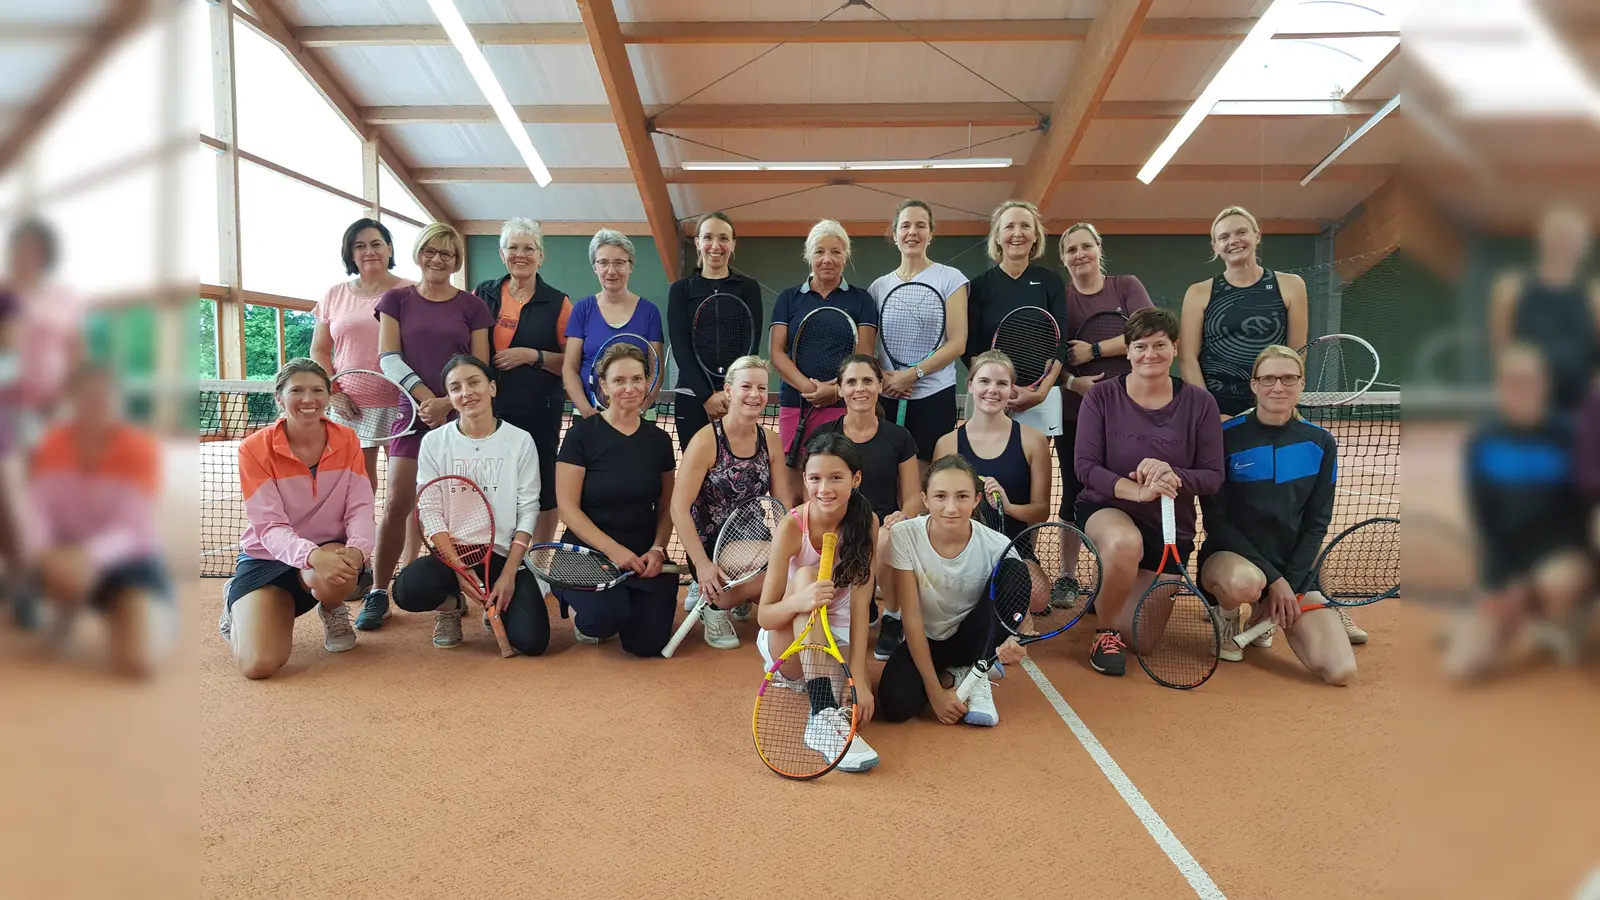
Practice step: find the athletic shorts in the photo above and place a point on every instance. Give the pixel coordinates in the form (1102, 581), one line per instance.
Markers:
(768, 656)
(789, 422)
(928, 418)
(253, 574)
(144, 573)
(1151, 535)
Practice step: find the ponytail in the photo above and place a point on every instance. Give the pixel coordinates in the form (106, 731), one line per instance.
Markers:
(852, 563)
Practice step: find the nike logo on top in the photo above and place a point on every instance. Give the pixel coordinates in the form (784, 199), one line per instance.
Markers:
(1238, 466)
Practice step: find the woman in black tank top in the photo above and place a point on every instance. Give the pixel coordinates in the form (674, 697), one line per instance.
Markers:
(1228, 320)
(1554, 308)
(1012, 458)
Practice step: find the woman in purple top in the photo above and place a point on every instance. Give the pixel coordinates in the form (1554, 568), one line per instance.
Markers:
(1141, 436)
(598, 318)
(420, 327)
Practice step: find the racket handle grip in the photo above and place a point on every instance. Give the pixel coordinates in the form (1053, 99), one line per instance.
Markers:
(1244, 638)
(1169, 520)
(830, 543)
(970, 683)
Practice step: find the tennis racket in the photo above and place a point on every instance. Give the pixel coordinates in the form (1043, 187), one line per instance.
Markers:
(1176, 634)
(1339, 368)
(741, 553)
(822, 340)
(912, 328)
(580, 568)
(457, 523)
(803, 728)
(722, 332)
(1031, 337)
(992, 511)
(652, 366)
(1031, 586)
(1100, 327)
(371, 404)
(1361, 566)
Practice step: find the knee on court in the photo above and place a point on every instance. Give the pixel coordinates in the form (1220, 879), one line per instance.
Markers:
(1338, 674)
(256, 666)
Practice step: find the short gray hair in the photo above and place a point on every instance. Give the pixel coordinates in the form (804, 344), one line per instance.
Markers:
(609, 236)
(519, 225)
(825, 229)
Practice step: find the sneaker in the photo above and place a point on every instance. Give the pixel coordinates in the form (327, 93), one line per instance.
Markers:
(337, 635)
(691, 596)
(826, 731)
(1351, 629)
(859, 756)
(447, 627)
(363, 584)
(1065, 592)
(890, 635)
(997, 671)
(584, 638)
(1229, 626)
(1264, 639)
(374, 609)
(225, 623)
(742, 612)
(1105, 656)
(718, 628)
(980, 706)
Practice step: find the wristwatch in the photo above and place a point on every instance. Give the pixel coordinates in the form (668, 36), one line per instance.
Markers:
(538, 359)
(1094, 350)
(920, 373)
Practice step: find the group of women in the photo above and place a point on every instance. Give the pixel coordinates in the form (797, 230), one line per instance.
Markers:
(493, 372)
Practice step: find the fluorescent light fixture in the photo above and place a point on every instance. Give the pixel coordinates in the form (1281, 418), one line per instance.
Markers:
(1264, 29)
(472, 55)
(864, 165)
(1348, 142)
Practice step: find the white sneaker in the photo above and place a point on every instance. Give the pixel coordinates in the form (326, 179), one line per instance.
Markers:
(1227, 649)
(826, 731)
(1351, 629)
(1264, 639)
(980, 706)
(691, 596)
(859, 757)
(225, 622)
(742, 612)
(718, 628)
(337, 635)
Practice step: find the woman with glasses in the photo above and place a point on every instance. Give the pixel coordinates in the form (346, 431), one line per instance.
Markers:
(1266, 526)
(420, 328)
(600, 317)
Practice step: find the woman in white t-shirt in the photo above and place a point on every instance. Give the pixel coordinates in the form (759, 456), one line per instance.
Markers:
(944, 560)
(501, 459)
(930, 385)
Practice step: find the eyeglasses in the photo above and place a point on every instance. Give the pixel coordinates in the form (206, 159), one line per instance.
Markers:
(608, 264)
(1275, 380)
(521, 250)
(441, 255)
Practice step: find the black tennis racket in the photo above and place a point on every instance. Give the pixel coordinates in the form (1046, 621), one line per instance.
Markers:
(1032, 338)
(1361, 566)
(580, 568)
(1176, 633)
(821, 342)
(722, 332)
(911, 329)
(1098, 328)
(1030, 589)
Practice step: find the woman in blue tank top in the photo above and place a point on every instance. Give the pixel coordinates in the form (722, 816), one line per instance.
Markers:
(1012, 459)
(1229, 319)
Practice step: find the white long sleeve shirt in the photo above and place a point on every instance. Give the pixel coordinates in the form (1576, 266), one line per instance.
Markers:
(505, 464)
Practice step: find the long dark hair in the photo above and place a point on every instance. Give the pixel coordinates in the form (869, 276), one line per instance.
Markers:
(852, 562)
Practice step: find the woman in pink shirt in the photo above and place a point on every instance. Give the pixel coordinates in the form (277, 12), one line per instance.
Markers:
(346, 336)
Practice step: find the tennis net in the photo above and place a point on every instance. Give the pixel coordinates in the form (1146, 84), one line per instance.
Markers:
(1368, 432)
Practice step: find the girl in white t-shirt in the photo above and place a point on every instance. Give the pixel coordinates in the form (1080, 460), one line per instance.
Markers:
(944, 559)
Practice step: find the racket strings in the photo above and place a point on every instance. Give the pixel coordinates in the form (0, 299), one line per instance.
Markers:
(1175, 635)
(370, 405)
(1102, 327)
(1337, 369)
(1364, 563)
(912, 323)
(573, 566)
(722, 332)
(805, 715)
(822, 343)
(1031, 340)
(746, 538)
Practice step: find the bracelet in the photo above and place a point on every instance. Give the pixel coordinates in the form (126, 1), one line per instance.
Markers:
(538, 359)
(519, 542)
(1070, 379)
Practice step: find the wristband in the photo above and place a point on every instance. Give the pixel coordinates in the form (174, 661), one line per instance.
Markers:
(1070, 379)
(538, 359)
(519, 542)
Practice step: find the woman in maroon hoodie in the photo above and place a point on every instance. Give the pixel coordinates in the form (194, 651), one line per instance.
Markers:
(1141, 436)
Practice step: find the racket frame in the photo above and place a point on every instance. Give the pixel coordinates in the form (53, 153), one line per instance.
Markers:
(716, 553)
(896, 363)
(994, 342)
(1028, 538)
(1244, 638)
(1169, 550)
(652, 362)
(716, 374)
(792, 455)
(799, 645)
(605, 563)
(1101, 362)
(453, 483)
(1341, 398)
(409, 403)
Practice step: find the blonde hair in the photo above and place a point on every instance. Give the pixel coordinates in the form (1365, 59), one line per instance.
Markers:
(1278, 351)
(746, 362)
(1234, 211)
(991, 358)
(823, 229)
(1094, 232)
(439, 231)
(995, 252)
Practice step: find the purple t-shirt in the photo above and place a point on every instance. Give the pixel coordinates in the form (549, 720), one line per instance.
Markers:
(430, 332)
(588, 325)
(1586, 454)
(1115, 434)
(1120, 292)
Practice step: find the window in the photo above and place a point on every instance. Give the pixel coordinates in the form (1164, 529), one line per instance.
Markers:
(282, 116)
(290, 234)
(260, 341)
(116, 115)
(297, 328)
(1323, 68)
(405, 240)
(392, 195)
(97, 251)
(206, 353)
(201, 245)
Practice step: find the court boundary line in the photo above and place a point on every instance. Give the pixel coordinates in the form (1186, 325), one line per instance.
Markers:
(1176, 852)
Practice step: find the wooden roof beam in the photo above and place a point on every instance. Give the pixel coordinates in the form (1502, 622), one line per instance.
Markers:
(1245, 174)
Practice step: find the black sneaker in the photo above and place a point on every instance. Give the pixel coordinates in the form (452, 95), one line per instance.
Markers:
(374, 609)
(1106, 654)
(890, 635)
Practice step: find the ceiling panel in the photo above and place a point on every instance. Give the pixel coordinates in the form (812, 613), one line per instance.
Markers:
(430, 75)
(416, 12)
(846, 143)
(1230, 140)
(27, 69)
(845, 202)
(1182, 200)
(1167, 70)
(811, 10)
(590, 202)
(434, 144)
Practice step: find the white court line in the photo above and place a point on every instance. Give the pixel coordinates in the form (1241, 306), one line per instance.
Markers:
(1187, 865)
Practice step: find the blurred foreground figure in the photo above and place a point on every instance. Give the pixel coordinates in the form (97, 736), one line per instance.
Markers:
(91, 527)
(1530, 519)
(1554, 307)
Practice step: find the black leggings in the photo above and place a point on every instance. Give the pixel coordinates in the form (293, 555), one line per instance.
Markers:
(639, 612)
(901, 695)
(427, 583)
